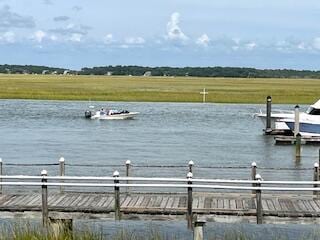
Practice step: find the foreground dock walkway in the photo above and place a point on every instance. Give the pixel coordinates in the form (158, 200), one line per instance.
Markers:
(93, 204)
(99, 197)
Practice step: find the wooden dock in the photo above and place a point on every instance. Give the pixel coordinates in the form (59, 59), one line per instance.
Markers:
(163, 206)
(287, 140)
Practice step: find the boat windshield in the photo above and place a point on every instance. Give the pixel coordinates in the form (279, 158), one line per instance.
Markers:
(313, 111)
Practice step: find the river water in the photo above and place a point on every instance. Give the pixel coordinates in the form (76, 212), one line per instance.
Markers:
(222, 140)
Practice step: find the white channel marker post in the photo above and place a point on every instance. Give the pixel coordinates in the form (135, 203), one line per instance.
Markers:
(204, 93)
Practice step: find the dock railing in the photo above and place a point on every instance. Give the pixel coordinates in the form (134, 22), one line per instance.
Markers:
(188, 184)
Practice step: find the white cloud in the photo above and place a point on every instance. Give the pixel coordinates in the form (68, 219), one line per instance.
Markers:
(203, 40)
(8, 37)
(53, 37)
(76, 37)
(39, 36)
(108, 39)
(250, 46)
(316, 43)
(134, 40)
(174, 32)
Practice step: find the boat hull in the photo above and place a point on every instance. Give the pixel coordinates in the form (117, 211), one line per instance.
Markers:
(306, 128)
(122, 116)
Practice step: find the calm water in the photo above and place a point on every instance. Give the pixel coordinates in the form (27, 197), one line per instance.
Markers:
(212, 135)
(222, 139)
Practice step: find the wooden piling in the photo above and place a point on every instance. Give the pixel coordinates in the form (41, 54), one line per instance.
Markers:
(268, 129)
(259, 201)
(296, 120)
(298, 145)
(253, 175)
(117, 214)
(44, 187)
(198, 229)
(190, 200)
(315, 177)
(190, 164)
(62, 171)
(128, 163)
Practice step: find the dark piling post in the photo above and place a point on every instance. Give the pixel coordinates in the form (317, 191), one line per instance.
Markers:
(253, 175)
(190, 200)
(315, 177)
(190, 164)
(268, 129)
(44, 187)
(128, 163)
(62, 171)
(198, 229)
(259, 200)
(116, 196)
(298, 145)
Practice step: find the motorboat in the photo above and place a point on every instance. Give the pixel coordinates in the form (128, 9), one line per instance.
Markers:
(309, 122)
(307, 126)
(277, 116)
(110, 114)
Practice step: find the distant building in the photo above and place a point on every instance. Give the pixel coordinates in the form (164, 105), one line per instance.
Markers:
(65, 72)
(147, 74)
(109, 73)
(45, 72)
(54, 72)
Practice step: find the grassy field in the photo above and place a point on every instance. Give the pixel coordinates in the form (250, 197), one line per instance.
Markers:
(158, 89)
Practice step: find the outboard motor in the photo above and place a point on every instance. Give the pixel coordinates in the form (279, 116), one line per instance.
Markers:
(88, 114)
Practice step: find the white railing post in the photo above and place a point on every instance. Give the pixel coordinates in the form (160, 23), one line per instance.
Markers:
(190, 200)
(259, 200)
(116, 196)
(44, 187)
(62, 171)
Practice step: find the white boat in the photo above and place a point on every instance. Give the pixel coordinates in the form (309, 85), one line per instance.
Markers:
(309, 122)
(307, 126)
(277, 116)
(110, 114)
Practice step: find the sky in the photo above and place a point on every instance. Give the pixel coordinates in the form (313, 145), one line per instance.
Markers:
(269, 34)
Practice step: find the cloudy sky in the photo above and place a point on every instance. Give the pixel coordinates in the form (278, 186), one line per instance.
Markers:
(79, 33)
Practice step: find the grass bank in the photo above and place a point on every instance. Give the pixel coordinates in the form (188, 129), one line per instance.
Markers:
(158, 89)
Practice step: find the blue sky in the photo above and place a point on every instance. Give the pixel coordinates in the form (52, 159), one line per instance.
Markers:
(80, 33)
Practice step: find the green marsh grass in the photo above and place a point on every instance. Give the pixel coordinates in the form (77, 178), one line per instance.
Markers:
(158, 89)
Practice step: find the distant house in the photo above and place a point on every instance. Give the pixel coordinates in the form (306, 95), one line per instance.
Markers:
(54, 72)
(45, 72)
(109, 73)
(65, 72)
(147, 74)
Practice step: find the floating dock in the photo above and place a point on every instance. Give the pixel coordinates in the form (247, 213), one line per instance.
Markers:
(287, 140)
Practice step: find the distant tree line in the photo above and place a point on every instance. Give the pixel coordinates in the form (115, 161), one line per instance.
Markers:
(165, 71)
(200, 72)
(30, 69)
